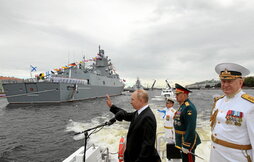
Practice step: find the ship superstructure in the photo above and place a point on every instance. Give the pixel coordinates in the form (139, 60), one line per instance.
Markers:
(77, 82)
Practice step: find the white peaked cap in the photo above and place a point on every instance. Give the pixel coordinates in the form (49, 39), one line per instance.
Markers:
(170, 99)
(231, 67)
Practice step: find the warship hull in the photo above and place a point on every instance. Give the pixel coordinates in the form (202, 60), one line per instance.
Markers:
(77, 81)
(48, 92)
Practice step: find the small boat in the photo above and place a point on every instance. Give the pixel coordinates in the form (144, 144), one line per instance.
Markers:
(168, 91)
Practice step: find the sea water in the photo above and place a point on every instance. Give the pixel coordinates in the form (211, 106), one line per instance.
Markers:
(46, 133)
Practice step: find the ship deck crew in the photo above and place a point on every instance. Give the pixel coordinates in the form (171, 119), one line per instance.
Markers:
(185, 118)
(168, 115)
(168, 121)
(232, 119)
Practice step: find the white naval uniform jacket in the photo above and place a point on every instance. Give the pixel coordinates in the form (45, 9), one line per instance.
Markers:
(168, 125)
(242, 134)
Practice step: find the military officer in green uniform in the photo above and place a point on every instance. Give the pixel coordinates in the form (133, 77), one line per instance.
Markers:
(185, 117)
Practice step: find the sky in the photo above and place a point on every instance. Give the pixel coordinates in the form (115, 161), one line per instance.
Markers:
(178, 40)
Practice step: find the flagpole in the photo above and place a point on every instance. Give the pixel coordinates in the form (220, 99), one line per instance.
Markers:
(30, 71)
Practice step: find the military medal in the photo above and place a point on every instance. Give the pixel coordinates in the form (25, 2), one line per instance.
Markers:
(234, 117)
(167, 117)
(177, 115)
(238, 118)
(229, 117)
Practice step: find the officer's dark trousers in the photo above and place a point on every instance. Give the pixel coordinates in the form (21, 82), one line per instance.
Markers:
(188, 157)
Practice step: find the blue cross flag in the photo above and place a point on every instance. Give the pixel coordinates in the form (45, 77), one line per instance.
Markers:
(33, 68)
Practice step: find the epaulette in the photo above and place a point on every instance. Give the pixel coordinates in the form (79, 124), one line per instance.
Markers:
(217, 98)
(187, 103)
(214, 113)
(248, 98)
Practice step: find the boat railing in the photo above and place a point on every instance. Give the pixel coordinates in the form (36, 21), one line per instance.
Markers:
(105, 154)
(13, 81)
(160, 144)
(51, 79)
(68, 80)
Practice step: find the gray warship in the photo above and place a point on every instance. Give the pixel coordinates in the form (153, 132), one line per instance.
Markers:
(75, 83)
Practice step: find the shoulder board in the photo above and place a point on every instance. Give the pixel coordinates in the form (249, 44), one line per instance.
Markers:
(248, 98)
(217, 98)
(187, 104)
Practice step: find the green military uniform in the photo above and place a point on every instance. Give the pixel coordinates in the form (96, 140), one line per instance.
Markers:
(185, 126)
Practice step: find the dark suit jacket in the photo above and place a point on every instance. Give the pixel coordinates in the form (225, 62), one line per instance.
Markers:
(141, 136)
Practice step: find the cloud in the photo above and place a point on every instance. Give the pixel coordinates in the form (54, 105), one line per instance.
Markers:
(179, 40)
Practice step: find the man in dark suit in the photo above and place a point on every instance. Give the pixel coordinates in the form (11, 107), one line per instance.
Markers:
(142, 131)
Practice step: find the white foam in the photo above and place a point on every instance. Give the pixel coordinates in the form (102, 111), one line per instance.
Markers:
(109, 136)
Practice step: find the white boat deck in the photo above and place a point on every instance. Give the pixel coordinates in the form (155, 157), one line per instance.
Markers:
(93, 154)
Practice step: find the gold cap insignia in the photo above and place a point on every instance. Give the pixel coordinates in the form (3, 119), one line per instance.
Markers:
(228, 75)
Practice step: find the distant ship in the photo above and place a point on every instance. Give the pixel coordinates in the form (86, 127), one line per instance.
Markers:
(76, 82)
(136, 86)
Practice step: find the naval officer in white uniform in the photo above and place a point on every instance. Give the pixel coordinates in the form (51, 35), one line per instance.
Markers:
(232, 119)
(168, 121)
(168, 117)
